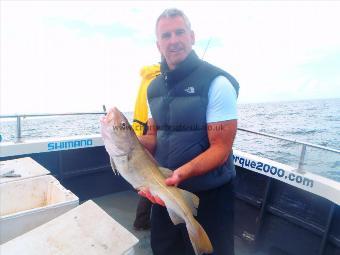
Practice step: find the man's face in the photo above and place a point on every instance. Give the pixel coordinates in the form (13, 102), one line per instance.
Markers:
(174, 40)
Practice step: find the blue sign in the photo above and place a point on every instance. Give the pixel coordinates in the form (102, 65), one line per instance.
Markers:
(73, 144)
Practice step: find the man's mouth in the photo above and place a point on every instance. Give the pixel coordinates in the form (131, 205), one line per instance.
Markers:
(175, 50)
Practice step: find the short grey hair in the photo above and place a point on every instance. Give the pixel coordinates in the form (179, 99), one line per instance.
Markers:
(172, 13)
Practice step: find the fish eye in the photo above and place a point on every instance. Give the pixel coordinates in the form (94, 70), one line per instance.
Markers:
(123, 124)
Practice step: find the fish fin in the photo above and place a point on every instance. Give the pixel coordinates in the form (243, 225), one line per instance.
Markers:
(174, 217)
(192, 200)
(166, 172)
(199, 238)
(121, 161)
(142, 188)
(113, 165)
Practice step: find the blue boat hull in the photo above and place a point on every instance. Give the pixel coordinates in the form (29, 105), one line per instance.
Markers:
(270, 216)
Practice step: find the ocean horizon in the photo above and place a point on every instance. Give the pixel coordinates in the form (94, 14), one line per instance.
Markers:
(310, 121)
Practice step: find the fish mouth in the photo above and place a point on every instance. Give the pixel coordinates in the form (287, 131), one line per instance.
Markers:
(116, 140)
(113, 117)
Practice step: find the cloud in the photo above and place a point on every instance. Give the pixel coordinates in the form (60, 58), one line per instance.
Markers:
(81, 28)
(77, 55)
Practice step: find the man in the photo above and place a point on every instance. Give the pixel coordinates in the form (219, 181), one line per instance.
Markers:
(192, 129)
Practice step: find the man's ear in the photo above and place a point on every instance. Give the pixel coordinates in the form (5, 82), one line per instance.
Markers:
(158, 47)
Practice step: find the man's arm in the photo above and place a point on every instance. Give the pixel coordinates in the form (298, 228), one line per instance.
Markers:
(221, 137)
(149, 139)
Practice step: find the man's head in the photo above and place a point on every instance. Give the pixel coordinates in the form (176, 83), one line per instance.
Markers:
(174, 36)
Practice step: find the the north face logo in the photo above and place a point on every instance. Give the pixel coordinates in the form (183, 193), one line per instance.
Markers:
(190, 90)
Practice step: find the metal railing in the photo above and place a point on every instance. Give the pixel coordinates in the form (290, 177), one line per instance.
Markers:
(299, 169)
(304, 146)
(19, 117)
(290, 140)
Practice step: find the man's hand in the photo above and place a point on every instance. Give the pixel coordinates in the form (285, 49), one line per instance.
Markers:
(154, 199)
(177, 177)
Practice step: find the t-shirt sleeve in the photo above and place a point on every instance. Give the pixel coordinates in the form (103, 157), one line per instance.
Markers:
(221, 100)
(149, 112)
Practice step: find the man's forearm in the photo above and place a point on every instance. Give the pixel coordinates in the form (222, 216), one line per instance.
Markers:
(221, 137)
(207, 161)
(149, 139)
(221, 142)
(149, 142)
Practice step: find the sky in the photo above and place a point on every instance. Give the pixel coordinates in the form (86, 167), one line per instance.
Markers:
(75, 56)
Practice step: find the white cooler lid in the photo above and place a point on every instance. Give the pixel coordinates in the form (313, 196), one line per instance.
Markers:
(86, 229)
(24, 167)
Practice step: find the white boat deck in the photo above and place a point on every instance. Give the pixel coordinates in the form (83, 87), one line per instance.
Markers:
(122, 207)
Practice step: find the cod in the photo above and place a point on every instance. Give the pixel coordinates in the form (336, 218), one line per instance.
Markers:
(136, 165)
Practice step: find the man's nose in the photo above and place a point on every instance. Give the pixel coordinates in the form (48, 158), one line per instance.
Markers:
(174, 38)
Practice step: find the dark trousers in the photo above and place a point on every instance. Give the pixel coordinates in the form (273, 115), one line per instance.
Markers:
(142, 220)
(216, 216)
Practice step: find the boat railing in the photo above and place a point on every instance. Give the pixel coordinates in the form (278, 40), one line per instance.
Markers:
(303, 145)
(19, 118)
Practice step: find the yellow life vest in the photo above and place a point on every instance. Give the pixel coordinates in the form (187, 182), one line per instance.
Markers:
(140, 117)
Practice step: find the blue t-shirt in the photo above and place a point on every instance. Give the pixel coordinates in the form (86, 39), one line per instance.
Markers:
(221, 101)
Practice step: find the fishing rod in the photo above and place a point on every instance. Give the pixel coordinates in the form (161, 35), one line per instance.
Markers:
(206, 48)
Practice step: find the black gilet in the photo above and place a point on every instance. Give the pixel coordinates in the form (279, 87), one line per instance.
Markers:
(178, 102)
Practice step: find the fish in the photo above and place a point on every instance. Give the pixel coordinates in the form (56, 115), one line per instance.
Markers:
(138, 167)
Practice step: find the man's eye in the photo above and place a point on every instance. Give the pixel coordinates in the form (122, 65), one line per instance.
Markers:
(180, 31)
(166, 35)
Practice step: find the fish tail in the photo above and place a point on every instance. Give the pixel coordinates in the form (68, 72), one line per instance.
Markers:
(199, 238)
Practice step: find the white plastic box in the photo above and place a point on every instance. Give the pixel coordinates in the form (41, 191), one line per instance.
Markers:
(29, 202)
(87, 229)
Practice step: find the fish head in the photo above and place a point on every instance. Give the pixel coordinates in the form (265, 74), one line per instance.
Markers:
(117, 133)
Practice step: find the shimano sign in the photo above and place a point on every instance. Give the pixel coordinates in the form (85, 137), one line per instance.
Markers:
(72, 144)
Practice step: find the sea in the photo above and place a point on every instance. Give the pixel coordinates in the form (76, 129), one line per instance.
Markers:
(309, 121)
